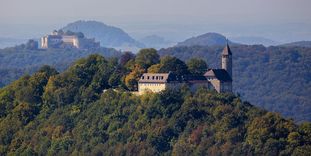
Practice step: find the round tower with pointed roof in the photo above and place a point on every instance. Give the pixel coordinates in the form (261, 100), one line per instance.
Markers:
(226, 60)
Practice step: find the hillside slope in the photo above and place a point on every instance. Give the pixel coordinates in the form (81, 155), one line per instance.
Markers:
(109, 36)
(275, 78)
(254, 40)
(306, 44)
(17, 61)
(67, 114)
(208, 39)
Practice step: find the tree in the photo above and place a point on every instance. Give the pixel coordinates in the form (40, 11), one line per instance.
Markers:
(60, 32)
(50, 71)
(147, 57)
(125, 57)
(68, 32)
(197, 66)
(80, 35)
(31, 45)
(154, 68)
(173, 64)
(131, 80)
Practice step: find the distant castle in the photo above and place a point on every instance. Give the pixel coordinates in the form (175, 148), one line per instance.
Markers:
(214, 79)
(59, 39)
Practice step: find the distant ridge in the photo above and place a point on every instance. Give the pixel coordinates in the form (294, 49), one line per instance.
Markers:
(109, 36)
(208, 39)
(306, 44)
(254, 40)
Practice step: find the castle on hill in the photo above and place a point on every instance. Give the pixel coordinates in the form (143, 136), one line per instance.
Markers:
(59, 39)
(214, 79)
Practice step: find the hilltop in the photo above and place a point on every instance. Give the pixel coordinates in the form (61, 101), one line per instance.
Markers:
(207, 39)
(51, 113)
(306, 44)
(109, 36)
(254, 40)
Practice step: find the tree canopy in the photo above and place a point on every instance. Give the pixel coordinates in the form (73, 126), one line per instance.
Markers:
(77, 112)
(147, 57)
(173, 64)
(197, 66)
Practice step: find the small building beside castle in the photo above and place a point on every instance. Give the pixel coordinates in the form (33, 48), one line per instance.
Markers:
(214, 79)
(60, 40)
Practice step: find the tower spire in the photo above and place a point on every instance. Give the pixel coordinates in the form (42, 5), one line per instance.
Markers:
(226, 59)
(227, 50)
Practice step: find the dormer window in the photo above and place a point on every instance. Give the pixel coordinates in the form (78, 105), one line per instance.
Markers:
(148, 77)
(152, 77)
(142, 77)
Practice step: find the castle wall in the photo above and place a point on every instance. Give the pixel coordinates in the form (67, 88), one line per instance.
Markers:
(216, 85)
(56, 40)
(158, 87)
(153, 87)
(226, 63)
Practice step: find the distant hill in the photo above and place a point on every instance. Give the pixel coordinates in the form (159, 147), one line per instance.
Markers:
(18, 61)
(154, 41)
(109, 36)
(208, 39)
(253, 40)
(298, 44)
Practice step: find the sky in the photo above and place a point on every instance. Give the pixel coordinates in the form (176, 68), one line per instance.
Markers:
(281, 20)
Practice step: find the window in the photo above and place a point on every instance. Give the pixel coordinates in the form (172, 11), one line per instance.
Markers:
(152, 77)
(142, 77)
(148, 77)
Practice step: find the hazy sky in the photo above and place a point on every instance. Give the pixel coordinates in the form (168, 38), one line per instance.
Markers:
(282, 20)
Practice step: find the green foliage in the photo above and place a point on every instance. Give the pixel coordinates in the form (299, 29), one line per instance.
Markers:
(126, 57)
(131, 80)
(147, 57)
(77, 113)
(173, 64)
(154, 68)
(17, 61)
(197, 66)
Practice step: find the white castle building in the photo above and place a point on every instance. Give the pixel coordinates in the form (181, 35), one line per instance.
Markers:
(59, 40)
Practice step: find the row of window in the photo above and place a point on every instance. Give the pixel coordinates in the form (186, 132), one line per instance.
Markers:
(153, 77)
(151, 84)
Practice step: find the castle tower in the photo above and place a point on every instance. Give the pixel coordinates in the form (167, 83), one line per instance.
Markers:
(226, 60)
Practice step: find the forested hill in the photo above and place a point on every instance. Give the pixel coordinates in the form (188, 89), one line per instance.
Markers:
(20, 60)
(207, 39)
(51, 113)
(275, 78)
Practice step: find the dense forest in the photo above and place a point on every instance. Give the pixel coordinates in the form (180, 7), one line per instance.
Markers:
(77, 112)
(275, 78)
(27, 59)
